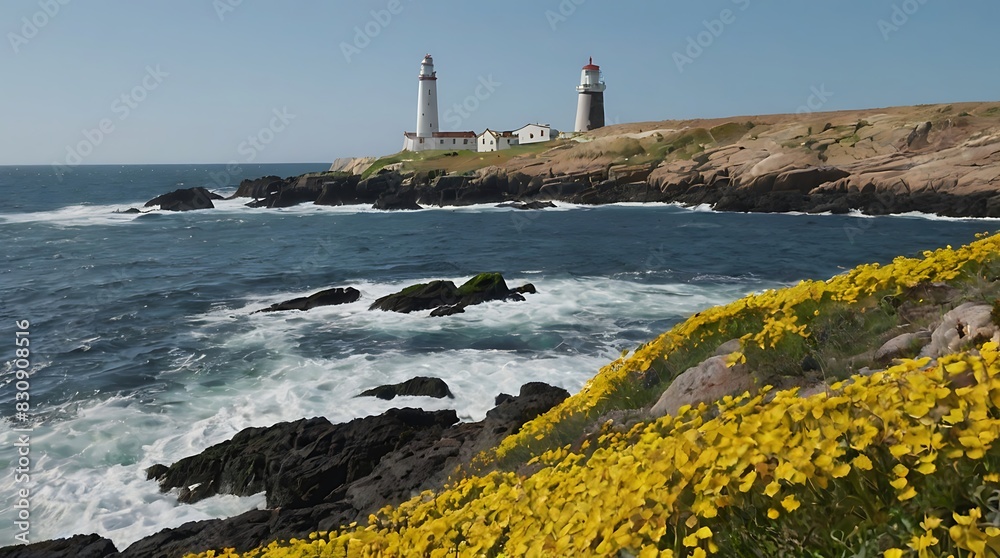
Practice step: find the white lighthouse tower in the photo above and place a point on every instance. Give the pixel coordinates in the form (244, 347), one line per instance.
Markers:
(590, 107)
(427, 100)
(428, 135)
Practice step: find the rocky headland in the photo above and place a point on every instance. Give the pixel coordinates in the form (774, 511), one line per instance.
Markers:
(940, 159)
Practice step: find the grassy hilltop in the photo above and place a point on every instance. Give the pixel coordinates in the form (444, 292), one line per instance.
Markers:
(849, 454)
(904, 158)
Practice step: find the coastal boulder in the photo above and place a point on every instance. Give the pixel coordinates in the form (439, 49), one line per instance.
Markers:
(906, 345)
(395, 201)
(423, 296)
(707, 382)
(959, 328)
(185, 199)
(419, 458)
(427, 464)
(446, 299)
(328, 297)
(299, 463)
(258, 187)
(419, 386)
(79, 546)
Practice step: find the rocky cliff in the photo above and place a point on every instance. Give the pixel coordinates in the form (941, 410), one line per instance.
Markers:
(941, 159)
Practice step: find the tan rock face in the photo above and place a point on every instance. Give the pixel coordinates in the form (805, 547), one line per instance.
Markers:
(959, 328)
(709, 381)
(901, 151)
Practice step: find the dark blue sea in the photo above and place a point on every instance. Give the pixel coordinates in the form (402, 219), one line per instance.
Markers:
(144, 350)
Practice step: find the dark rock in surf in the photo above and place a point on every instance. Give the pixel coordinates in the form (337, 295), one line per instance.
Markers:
(420, 458)
(449, 299)
(395, 202)
(298, 464)
(443, 311)
(419, 386)
(423, 296)
(528, 205)
(79, 546)
(328, 297)
(185, 199)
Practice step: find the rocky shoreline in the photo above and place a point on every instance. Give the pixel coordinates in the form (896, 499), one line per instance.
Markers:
(936, 159)
(317, 476)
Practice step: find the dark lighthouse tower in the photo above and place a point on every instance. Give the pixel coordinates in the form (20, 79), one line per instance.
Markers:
(590, 107)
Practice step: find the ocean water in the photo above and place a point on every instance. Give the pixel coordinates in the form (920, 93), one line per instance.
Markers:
(144, 349)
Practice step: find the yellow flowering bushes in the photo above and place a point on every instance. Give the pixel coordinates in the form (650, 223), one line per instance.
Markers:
(900, 463)
(770, 317)
(903, 460)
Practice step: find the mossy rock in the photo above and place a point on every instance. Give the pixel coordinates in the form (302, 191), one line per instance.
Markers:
(485, 283)
(437, 294)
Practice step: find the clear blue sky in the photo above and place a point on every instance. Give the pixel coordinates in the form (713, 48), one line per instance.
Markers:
(227, 75)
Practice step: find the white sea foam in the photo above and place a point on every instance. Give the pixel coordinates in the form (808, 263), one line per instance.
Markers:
(76, 215)
(89, 476)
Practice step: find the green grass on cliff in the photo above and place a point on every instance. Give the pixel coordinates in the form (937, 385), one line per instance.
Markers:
(461, 162)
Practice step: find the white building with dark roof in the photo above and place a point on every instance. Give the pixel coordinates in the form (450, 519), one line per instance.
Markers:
(429, 137)
(533, 133)
(495, 141)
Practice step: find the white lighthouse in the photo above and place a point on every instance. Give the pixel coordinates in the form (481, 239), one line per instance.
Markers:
(427, 100)
(590, 107)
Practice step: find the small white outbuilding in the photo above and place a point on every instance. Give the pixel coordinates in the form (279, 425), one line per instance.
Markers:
(533, 133)
(495, 141)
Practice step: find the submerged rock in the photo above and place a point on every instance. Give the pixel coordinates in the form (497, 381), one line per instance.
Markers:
(328, 297)
(420, 386)
(185, 199)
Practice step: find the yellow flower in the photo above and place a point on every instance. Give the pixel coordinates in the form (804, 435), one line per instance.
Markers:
(790, 503)
(862, 462)
(930, 523)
